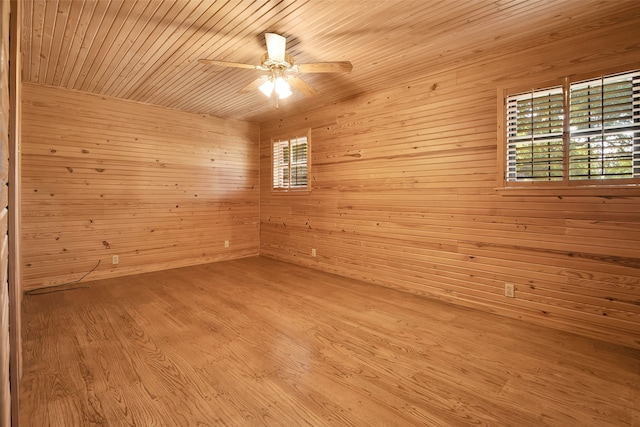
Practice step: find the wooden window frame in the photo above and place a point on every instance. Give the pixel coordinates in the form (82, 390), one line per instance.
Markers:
(297, 190)
(565, 187)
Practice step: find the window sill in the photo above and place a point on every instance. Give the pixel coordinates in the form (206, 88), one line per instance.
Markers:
(278, 192)
(563, 191)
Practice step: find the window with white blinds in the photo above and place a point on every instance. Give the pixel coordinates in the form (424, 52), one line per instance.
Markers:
(534, 135)
(604, 126)
(290, 163)
(580, 132)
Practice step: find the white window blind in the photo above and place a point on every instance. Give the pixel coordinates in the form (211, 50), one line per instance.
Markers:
(605, 128)
(534, 135)
(290, 163)
(597, 139)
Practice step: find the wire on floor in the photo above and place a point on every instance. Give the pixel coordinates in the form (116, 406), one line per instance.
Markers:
(59, 288)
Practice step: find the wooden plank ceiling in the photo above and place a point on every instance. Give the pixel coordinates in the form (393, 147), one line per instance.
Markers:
(148, 50)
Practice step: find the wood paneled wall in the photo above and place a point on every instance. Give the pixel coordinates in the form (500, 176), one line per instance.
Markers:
(404, 195)
(158, 188)
(5, 384)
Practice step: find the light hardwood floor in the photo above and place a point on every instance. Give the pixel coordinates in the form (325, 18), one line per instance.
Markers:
(260, 342)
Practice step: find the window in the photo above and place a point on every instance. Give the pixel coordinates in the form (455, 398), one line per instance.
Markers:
(291, 163)
(576, 132)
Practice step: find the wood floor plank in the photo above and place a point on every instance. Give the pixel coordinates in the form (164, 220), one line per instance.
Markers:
(259, 342)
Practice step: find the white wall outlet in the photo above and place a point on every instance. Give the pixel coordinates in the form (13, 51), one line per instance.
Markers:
(509, 290)
(115, 259)
(313, 252)
(226, 243)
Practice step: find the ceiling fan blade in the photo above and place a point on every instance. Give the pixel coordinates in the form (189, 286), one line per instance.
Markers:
(275, 46)
(324, 67)
(254, 84)
(302, 86)
(229, 64)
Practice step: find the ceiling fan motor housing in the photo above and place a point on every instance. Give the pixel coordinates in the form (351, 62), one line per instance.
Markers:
(273, 64)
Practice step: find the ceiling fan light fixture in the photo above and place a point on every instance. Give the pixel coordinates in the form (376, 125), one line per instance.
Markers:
(279, 84)
(267, 88)
(283, 89)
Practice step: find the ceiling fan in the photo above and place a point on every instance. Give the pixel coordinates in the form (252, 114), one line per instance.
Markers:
(281, 70)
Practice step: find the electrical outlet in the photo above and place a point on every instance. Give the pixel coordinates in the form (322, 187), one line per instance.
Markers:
(226, 243)
(313, 252)
(509, 290)
(115, 259)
